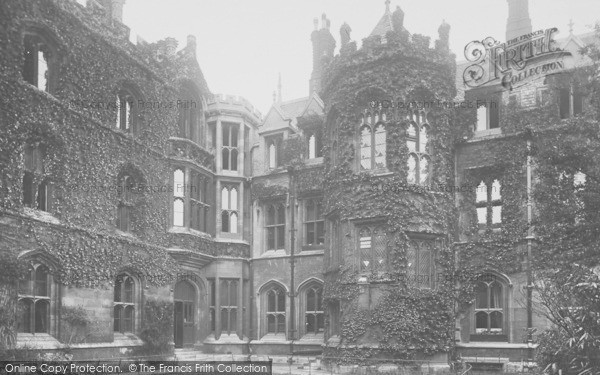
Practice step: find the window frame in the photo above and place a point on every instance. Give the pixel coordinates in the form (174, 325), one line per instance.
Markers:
(229, 327)
(419, 120)
(276, 226)
(273, 151)
(125, 202)
(372, 121)
(120, 307)
(190, 114)
(278, 314)
(314, 144)
(230, 151)
(228, 211)
(318, 219)
(195, 197)
(492, 114)
(575, 105)
(35, 179)
(28, 293)
(127, 121)
(371, 253)
(489, 204)
(38, 38)
(318, 315)
(501, 335)
(414, 277)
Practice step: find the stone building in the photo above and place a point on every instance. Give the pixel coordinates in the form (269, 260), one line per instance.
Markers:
(130, 191)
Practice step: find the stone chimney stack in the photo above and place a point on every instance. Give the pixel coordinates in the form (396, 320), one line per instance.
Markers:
(323, 47)
(518, 22)
(191, 42)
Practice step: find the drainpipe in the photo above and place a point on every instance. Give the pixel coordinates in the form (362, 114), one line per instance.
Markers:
(292, 202)
(529, 255)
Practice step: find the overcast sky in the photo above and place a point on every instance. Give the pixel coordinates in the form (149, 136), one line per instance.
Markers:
(244, 44)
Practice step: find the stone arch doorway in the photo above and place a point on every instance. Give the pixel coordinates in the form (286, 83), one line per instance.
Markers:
(185, 306)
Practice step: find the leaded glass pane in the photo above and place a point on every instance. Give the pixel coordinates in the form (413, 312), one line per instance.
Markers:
(365, 148)
(380, 146)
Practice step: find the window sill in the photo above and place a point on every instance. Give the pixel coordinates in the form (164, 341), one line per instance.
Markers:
(273, 253)
(184, 230)
(126, 339)
(377, 172)
(37, 341)
(489, 338)
(318, 160)
(313, 248)
(125, 234)
(274, 337)
(40, 215)
(487, 133)
(483, 229)
(228, 172)
(225, 339)
(311, 337)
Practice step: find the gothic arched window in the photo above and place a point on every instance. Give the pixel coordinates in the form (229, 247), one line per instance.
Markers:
(34, 301)
(417, 141)
(373, 142)
(275, 314)
(489, 305)
(124, 304)
(314, 313)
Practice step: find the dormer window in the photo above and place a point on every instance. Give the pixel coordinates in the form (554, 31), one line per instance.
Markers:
(274, 151)
(314, 145)
(39, 62)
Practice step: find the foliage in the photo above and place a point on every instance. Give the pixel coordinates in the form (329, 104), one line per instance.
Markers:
(76, 322)
(568, 227)
(11, 270)
(157, 328)
(263, 191)
(85, 153)
(571, 301)
(400, 71)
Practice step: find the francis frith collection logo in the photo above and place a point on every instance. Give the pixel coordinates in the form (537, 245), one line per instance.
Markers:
(515, 62)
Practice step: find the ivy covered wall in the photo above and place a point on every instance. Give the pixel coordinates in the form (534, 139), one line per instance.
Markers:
(385, 316)
(91, 60)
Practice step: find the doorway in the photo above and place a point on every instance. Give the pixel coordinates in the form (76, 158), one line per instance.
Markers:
(184, 326)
